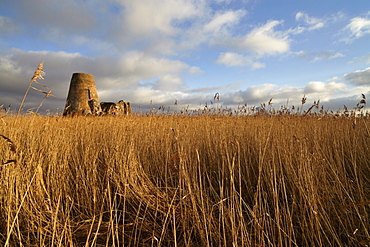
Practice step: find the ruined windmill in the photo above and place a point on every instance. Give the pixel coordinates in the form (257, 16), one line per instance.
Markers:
(83, 99)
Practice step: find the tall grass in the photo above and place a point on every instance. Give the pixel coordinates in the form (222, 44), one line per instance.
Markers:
(185, 181)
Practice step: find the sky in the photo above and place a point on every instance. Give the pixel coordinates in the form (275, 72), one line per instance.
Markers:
(154, 53)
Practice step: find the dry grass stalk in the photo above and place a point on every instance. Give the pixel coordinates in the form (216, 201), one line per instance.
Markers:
(12, 148)
(163, 181)
(39, 74)
(11, 144)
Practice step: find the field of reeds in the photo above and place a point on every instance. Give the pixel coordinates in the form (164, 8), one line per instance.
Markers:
(259, 180)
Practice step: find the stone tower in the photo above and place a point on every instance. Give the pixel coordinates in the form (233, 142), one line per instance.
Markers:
(82, 96)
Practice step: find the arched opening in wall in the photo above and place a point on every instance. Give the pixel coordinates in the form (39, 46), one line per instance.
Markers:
(88, 94)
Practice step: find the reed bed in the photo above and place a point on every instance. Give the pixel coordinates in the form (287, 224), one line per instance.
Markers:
(185, 181)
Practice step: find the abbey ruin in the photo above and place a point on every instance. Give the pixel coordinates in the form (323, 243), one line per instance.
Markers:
(83, 99)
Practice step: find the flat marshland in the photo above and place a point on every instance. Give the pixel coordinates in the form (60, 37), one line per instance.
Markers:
(185, 181)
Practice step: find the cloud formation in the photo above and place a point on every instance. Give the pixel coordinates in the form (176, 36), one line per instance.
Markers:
(314, 56)
(122, 82)
(322, 87)
(224, 20)
(358, 27)
(359, 77)
(311, 22)
(7, 26)
(185, 50)
(231, 59)
(265, 40)
(161, 20)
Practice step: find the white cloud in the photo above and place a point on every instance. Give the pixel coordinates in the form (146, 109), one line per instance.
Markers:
(231, 59)
(257, 65)
(311, 22)
(358, 27)
(161, 27)
(359, 77)
(365, 59)
(143, 17)
(169, 82)
(327, 93)
(299, 54)
(206, 89)
(194, 70)
(322, 87)
(260, 41)
(226, 19)
(327, 55)
(265, 40)
(317, 56)
(255, 95)
(223, 1)
(144, 96)
(8, 65)
(259, 93)
(145, 66)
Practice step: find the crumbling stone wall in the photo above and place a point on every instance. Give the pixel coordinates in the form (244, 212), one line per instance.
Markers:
(83, 99)
(95, 108)
(121, 108)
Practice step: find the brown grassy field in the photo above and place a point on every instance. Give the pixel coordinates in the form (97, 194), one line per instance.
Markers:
(185, 181)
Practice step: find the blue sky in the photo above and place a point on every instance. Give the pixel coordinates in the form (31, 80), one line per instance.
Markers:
(162, 51)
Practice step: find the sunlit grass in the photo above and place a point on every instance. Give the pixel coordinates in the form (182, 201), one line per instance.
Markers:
(206, 180)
